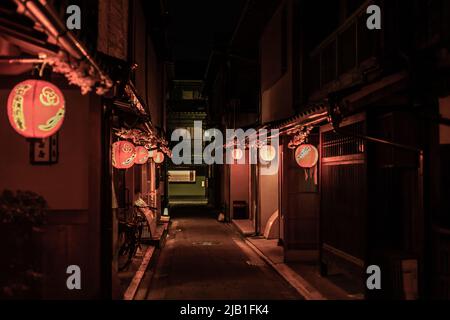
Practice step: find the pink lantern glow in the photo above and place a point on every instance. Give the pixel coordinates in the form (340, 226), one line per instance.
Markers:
(237, 154)
(267, 153)
(158, 157)
(36, 109)
(141, 155)
(123, 155)
(307, 156)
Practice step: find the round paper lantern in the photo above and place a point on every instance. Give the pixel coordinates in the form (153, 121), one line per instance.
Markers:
(158, 157)
(141, 155)
(237, 154)
(123, 155)
(267, 153)
(36, 109)
(307, 156)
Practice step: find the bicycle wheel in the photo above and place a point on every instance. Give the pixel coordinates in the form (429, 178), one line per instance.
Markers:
(128, 248)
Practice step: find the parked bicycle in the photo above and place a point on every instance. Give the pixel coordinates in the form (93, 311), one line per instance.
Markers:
(131, 231)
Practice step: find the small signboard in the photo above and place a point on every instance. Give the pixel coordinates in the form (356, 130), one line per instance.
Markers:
(44, 151)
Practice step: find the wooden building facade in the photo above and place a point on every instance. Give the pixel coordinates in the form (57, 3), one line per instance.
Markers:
(104, 81)
(373, 103)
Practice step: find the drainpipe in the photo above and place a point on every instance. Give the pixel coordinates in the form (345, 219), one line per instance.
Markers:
(44, 14)
(258, 202)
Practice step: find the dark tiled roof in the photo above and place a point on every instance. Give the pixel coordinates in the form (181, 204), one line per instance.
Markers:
(303, 116)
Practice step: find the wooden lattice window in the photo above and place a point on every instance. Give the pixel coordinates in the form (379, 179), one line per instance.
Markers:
(338, 145)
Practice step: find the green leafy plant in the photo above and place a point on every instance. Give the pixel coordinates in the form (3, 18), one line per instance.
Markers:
(21, 214)
(22, 207)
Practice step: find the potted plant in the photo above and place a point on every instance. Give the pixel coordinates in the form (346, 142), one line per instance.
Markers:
(21, 216)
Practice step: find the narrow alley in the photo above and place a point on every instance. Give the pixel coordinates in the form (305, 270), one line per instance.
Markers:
(209, 150)
(204, 259)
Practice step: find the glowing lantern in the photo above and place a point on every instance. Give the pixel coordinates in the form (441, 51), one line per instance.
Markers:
(307, 156)
(123, 155)
(237, 154)
(151, 153)
(141, 155)
(158, 157)
(36, 109)
(267, 153)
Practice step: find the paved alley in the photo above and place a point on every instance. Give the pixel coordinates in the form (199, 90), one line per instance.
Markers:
(205, 259)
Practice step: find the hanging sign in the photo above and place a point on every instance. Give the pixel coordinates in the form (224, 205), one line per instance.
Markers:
(44, 151)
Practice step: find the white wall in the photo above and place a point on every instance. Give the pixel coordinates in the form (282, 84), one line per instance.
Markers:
(239, 182)
(277, 102)
(268, 195)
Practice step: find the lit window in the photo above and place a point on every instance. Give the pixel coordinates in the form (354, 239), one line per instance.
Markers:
(188, 95)
(180, 176)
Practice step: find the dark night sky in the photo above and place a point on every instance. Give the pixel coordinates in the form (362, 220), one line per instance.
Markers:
(194, 25)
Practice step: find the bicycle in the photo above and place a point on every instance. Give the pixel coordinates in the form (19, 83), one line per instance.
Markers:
(132, 231)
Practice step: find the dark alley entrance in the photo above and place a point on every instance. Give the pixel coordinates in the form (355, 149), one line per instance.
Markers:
(205, 259)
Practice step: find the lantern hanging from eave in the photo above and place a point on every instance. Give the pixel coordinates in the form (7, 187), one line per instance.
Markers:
(141, 155)
(237, 154)
(307, 156)
(158, 157)
(36, 109)
(267, 153)
(123, 154)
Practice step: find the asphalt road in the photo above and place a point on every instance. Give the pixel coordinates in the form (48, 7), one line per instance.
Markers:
(207, 260)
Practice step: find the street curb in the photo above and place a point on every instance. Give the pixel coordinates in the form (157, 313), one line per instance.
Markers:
(293, 278)
(242, 232)
(134, 285)
(130, 293)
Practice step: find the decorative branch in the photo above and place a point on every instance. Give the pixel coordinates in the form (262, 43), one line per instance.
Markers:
(79, 73)
(134, 99)
(299, 137)
(149, 140)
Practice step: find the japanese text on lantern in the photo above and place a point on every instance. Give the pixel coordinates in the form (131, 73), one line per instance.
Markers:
(36, 109)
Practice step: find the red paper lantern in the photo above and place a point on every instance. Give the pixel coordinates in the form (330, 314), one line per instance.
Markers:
(36, 109)
(158, 157)
(307, 156)
(123, 155)
(141, 155)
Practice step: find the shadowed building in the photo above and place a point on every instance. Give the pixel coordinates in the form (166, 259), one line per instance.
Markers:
(188, 182)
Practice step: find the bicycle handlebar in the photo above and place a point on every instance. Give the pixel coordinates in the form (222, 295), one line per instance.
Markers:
(149, 207)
